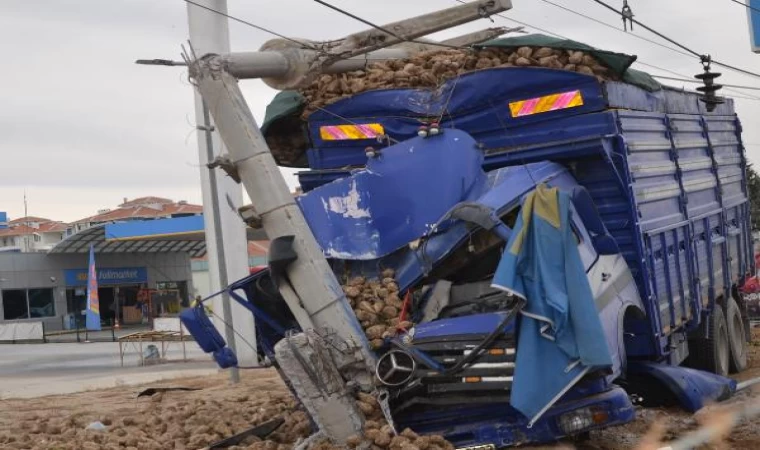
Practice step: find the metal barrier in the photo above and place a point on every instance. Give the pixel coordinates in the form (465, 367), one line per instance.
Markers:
(18, 332)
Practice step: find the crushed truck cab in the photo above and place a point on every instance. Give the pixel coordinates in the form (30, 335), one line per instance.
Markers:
(659, 219)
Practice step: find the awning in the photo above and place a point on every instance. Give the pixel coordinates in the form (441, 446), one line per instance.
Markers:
(181, 234)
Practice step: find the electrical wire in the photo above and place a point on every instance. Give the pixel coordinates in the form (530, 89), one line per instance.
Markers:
(748, 96)
(518, 22)
(383, 29)
(651, 30)
(672, 41)
(746, 5)
(543, 30)
(634, 35)
(688, 80)
(651, 41)
(252, 25)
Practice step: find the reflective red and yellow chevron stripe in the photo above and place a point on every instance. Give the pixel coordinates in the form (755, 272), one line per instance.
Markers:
(351, 132)
(546, 103)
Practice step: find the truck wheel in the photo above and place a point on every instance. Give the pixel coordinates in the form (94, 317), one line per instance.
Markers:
(737, 337)
(712, 353)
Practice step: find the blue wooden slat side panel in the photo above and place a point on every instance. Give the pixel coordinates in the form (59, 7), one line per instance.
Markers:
(730, 165)
(659, 207)
(652, 169)
(668, 100)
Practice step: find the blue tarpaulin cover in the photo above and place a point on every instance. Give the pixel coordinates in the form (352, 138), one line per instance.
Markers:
(560, 337)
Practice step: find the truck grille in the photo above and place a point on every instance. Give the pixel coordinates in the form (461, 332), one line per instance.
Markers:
(487, 379)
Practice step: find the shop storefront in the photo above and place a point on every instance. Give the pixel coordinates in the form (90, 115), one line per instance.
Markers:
(118, 291)
(133, 288)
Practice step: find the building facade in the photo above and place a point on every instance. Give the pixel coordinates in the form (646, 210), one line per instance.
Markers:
(52, 287)
(31, 234)
(143, 208)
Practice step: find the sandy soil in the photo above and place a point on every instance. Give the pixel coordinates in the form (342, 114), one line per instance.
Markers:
(193, 419)
(172, 420)
(744, 437)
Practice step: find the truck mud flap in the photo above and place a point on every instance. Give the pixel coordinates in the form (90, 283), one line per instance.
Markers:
(662, 384)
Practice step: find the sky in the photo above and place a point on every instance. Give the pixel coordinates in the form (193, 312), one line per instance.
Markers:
(82, 126)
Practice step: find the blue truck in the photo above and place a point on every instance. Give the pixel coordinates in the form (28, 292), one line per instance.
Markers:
(659, 210)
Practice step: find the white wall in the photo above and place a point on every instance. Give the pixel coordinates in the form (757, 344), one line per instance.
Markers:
(201, 283)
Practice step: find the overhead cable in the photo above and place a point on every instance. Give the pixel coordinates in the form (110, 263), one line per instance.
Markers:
(691, 80)
(543, 30)
(672, 41)
(383, 29)
(651, 30)
(746, 5)
(252, 25)
(601, 22)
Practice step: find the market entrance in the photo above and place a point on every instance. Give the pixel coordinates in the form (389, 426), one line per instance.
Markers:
(118, 292)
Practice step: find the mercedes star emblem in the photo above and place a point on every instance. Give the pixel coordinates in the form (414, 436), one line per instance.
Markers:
(395, 368)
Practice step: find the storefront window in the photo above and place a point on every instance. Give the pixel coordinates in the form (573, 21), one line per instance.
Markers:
(41, 303)
(14, 304)
(28, 303)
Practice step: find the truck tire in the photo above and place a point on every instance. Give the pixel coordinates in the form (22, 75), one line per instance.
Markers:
(712, 353)
(737, 337)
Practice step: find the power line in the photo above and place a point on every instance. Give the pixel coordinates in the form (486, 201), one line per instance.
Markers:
(702, 57)
(518, 22)
(688, 80)
(543, 30)
(747, 97)
(252, 25)
(698, 55)
(746, 5)
(634, 35)
(651, 41)
(383, 29)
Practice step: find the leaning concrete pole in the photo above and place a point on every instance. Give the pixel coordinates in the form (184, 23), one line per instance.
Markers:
(226, 239)
(310, 275)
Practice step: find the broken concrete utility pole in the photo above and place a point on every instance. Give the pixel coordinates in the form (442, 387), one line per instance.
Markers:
(287, 64)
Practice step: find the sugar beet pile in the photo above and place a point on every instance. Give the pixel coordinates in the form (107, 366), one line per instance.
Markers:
(432, 68)
(377, 306)
(191, 421)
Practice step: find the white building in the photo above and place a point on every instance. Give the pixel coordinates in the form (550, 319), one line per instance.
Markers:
(31, 234)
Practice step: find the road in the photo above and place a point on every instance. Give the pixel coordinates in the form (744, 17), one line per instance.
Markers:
(32, 370)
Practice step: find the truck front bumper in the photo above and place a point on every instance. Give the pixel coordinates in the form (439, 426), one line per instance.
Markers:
(499, 425)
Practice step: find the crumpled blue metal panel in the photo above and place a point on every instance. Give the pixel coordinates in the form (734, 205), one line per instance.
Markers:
(478, 324)
(504, 189)
(397, 198)
(693, 388)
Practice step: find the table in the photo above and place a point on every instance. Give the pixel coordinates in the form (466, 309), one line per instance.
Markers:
(166, 338)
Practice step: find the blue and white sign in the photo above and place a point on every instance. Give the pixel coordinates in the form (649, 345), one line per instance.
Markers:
(753, 16)
(106, 276)
(3, 220)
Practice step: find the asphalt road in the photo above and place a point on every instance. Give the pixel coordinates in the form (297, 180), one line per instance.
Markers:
(32, 370)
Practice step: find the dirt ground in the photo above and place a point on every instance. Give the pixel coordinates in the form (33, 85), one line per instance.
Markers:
(744, 437)
(189, 420)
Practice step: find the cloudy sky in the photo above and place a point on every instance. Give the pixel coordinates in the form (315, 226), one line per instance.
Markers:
(82, 126)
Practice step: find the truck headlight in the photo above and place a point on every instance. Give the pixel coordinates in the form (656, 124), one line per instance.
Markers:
(581, 419)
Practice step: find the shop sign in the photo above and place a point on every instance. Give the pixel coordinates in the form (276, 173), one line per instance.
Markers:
(108, 275)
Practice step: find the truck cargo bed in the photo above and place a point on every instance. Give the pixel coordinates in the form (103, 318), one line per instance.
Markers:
(667, 177)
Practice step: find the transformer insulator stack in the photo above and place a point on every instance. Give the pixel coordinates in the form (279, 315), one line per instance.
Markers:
(708, 91)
